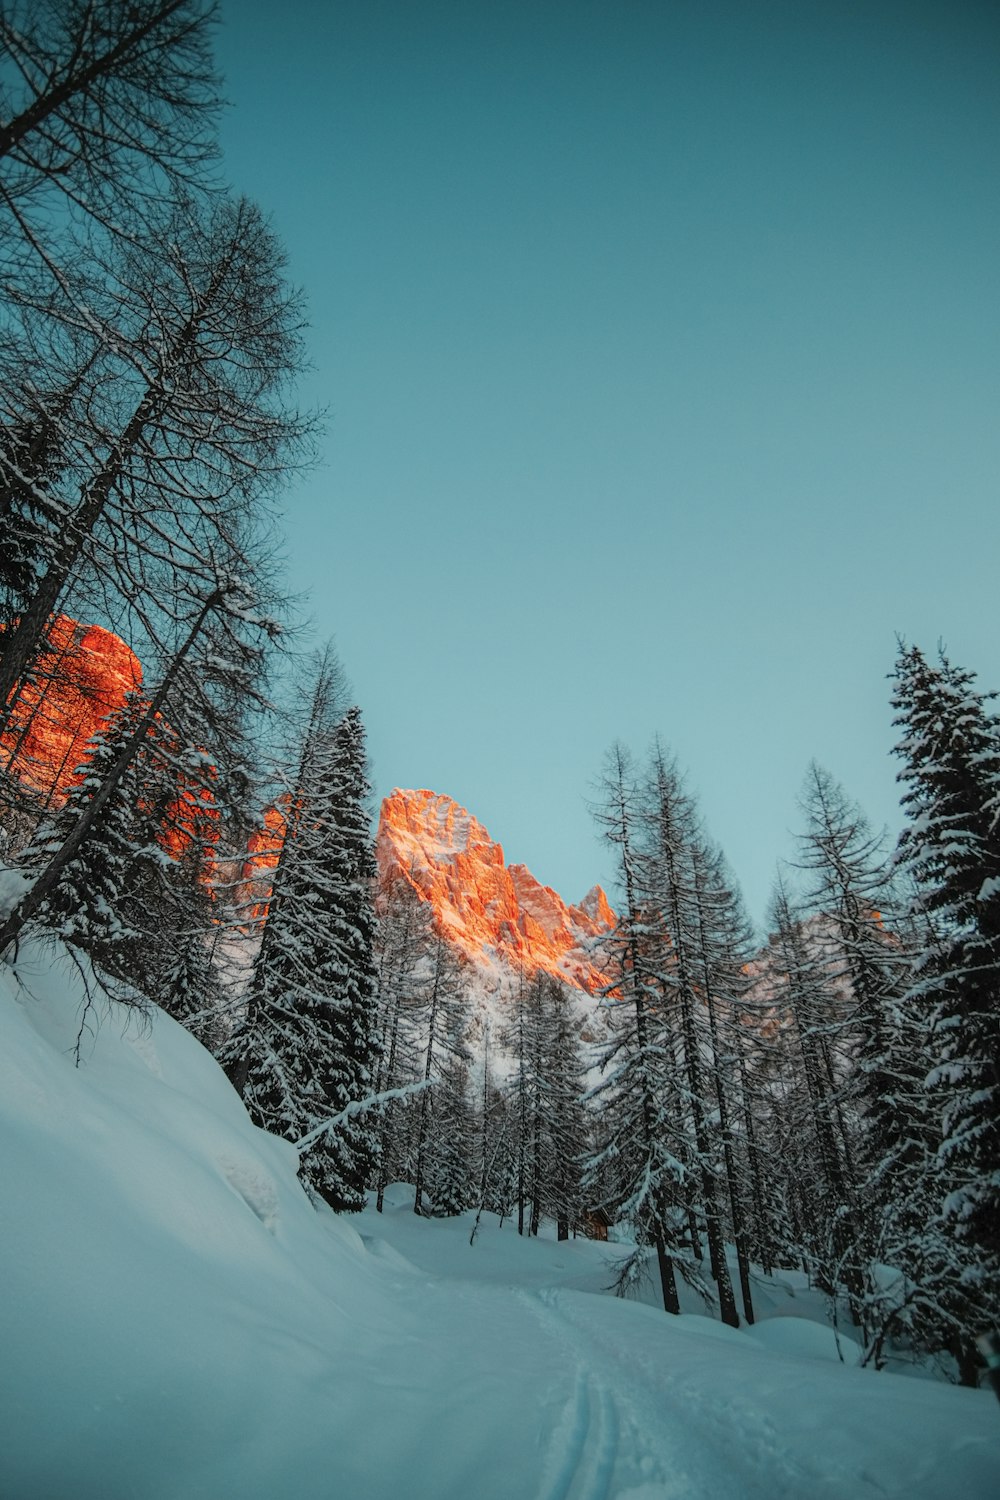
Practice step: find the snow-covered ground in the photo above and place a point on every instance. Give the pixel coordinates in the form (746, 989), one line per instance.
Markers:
(179, 1323)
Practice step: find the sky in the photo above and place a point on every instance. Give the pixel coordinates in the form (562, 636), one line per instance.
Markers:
(658, 344)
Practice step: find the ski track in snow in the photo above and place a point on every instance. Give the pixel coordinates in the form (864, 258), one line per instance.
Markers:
(582, 1455)
(645, 1452)
(581, 1458)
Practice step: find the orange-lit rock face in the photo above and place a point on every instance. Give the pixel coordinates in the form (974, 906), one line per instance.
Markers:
(83, 676)
(81, 679)
(481, 905)
(263, 853)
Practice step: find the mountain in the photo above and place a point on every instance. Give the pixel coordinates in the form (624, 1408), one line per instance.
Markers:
(490, 911)
(494, 914)
(81, 678)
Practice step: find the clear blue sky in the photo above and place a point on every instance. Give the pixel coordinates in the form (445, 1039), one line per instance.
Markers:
(660, 348)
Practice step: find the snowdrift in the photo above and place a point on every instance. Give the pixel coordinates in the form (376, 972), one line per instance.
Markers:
(180, 1323)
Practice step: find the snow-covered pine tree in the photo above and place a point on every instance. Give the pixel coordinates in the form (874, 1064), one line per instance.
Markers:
(28, 459)
(563, 1121)
(865, 937)
(855, 911)
(307, 1046)
(441, 1016)
(547, 1117)
(753, 1054)
(823, 1186)
(404, 942)
(669, 897)
(522, 1038)
(86, 902)
(721, 953)
(950, 749)
(448, 1170)
(192, 989)
(638, 1163)
(497, 1156)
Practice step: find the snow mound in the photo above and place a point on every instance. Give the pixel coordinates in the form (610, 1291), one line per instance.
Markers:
(803, 1339)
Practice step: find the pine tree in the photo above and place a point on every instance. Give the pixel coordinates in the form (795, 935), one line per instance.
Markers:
(638, 1163)
(86, 901)
(564, 1124)
(823, 1181)
(722, 948)
(950, 749)
(404, 944)
(448, 1172)
(307, 1047)
(443, 1019)
(28, 459)
(670, 899)
(497, 1150)
(856, 912)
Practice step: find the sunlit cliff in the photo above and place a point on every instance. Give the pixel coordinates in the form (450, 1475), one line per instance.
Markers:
(486, 908)
(78, 682)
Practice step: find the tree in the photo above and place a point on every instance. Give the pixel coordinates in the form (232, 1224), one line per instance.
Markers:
(172, 434)
(188, 679)
(28, 458)
(497, 1154)
(722, 949)
(307, 1047)
(85, 899)
(950, 749)
(638, 1162)
(677, 932)
(442, 1011)
(448, 1171)
(404, 944)
(825, 1180)
(851, 896)
(562, 1123)
(545, 1105)
(105, 110)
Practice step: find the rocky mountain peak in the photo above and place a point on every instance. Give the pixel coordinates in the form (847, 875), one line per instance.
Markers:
(488, 910)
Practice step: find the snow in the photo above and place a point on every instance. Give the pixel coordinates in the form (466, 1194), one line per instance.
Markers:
(180, 1323)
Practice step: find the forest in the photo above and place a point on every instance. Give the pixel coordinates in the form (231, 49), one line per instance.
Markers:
(825, 1097)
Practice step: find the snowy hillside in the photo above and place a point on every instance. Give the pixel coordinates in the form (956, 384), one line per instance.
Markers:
(179, 1323)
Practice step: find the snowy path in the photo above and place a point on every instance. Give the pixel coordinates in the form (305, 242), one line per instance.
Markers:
(633, 1405)
(620, 1439)
(580, 1458)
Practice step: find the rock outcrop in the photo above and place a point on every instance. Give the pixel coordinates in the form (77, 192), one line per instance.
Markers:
(79, 681)
(488, 910)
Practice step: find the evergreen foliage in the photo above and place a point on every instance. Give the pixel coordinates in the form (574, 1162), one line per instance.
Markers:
(449, 1170)
(86, 902)
(639, 1167)
(307, 1047)
(950, 749)
(440, 1016)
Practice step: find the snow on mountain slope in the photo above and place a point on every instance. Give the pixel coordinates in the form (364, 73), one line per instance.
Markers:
(179, 1323)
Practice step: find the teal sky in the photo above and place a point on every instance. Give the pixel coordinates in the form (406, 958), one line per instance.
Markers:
(659, 343)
